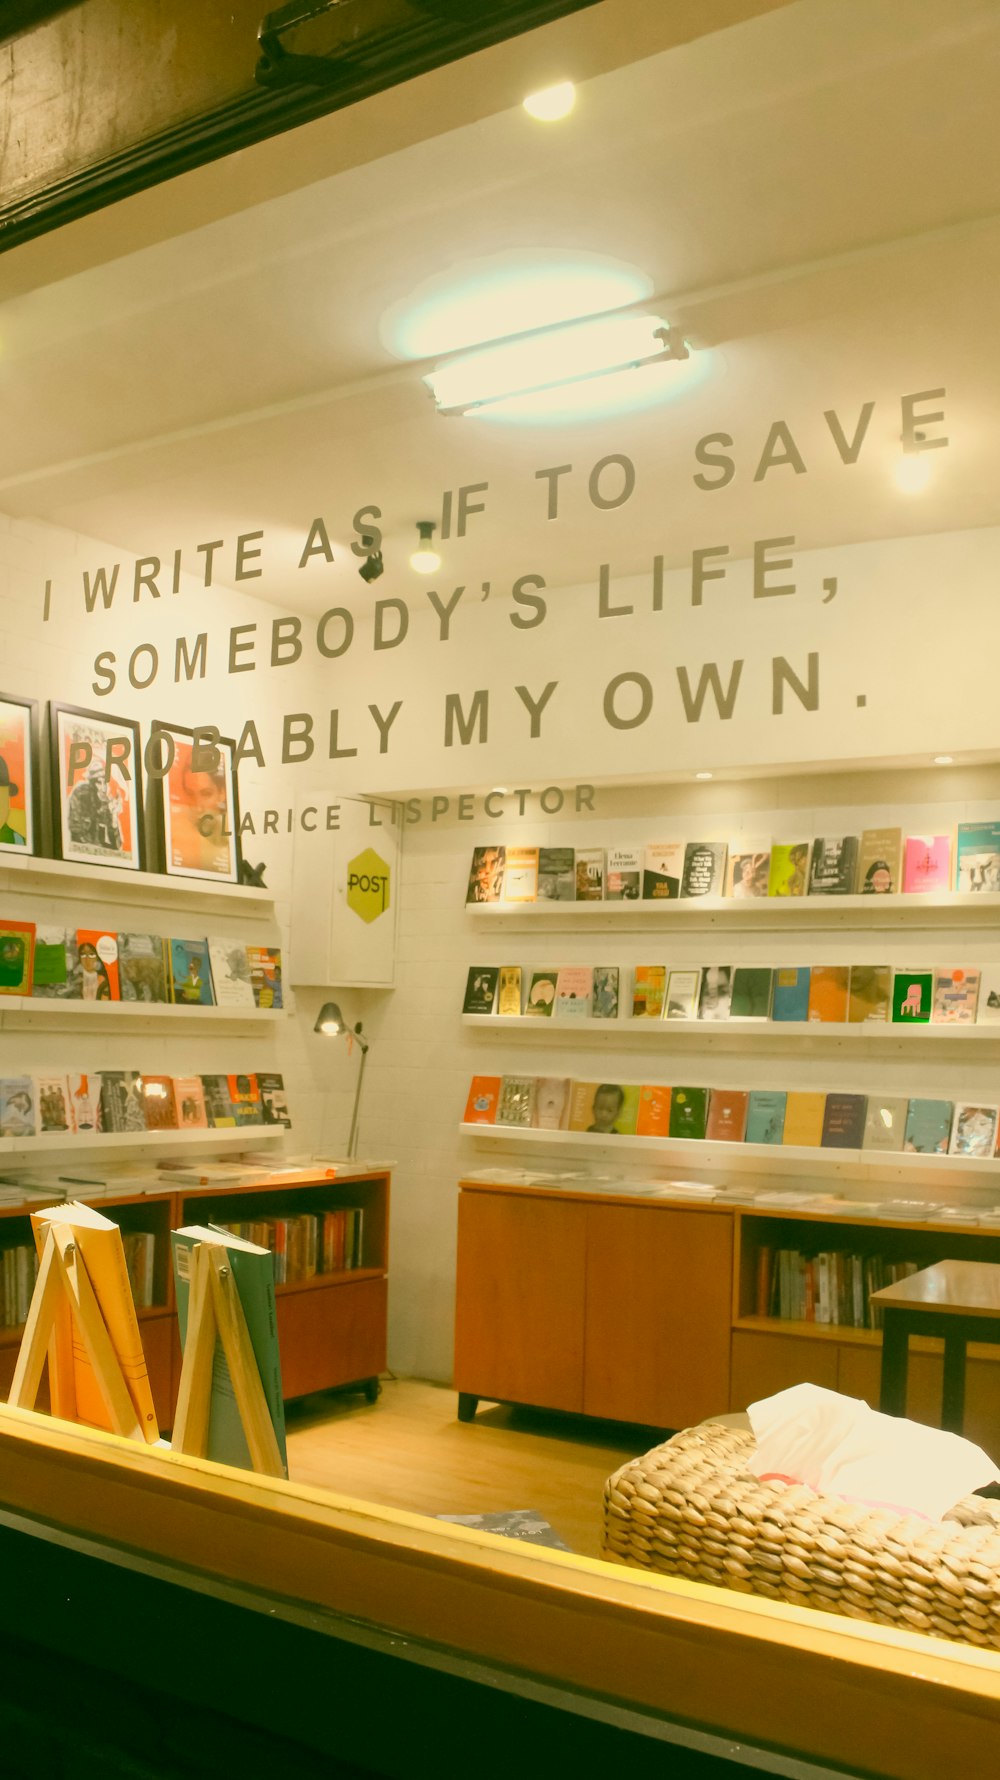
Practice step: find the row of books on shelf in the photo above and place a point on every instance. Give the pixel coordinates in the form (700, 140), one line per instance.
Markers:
(19, 1270)
(855, 994)
(875, 862)
(95, 965)
(735, 1115)
(833, 1287)
(308, 1243)
(125, 1100)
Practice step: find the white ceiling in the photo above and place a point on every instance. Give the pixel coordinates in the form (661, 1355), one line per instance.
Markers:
(816, 193)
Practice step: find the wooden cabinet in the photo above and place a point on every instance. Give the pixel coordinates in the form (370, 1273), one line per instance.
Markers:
(617, 1309)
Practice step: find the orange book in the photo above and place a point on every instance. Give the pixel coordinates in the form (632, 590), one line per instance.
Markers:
(484, 1096)
(654, 1112)
(828, 992)
(804, 1119)
(97, 959)
(727, 1115)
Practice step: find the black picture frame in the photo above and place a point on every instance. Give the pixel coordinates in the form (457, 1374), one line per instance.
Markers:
(197, 843)
(28, 768)
(93, 831)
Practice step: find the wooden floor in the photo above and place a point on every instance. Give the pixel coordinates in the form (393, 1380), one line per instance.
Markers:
(409, 1450)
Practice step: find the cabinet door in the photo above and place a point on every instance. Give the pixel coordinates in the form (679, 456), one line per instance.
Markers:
(659, 1291)
(330, 1335)
(766, 1364)
(519, 1299)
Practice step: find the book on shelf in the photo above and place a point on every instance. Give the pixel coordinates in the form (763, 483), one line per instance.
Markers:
(804, 1119)
(520, 874)
(832, 1287)
(96, 965)
(956, 996)
(880, 862)
(715, 994)
(273, 1099)
(550, 1111)
(788, 875)
(727, 1115)
(541, 996)
(790, 993)
(926, 863)
(844, 1121)
(481, 989)
(828, 993)
(653, 1115)
(574, 992)
(18, 1272)
(870, 994)
(55, 1108)
(606, 1109)
(142, 967)
(749, 869)
(649, 988)
(218, 1106)
(252, 1270)
(486, 874)
(516, 1104)
(683, 987)
(662, 870)
(704, 871)
(231, 978)
(928, 1126)
(988, 1008)
(265, 975)
(121, 1106)
(912, 997)
(18, 1111)
(244, 1096)
(158, 1102)
(51, 969)
(556, 874)
(974, 1130)
(885, 1122)
(509, 990)
(189, 1103)
(17, 957)
(85, 1098)
(765, 1116)
(604, 1004)
(833, 865)
(623, 877)
(190, 973)
(688, 1112)
(590, 874)
(751, 998)
(977, 856)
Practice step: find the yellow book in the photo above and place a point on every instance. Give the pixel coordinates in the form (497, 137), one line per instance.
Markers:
(75, 1394)
(804, 1119)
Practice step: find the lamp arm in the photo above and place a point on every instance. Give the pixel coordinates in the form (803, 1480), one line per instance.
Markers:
(352, 1145)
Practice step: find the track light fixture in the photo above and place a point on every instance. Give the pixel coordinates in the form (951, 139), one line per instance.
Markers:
(425, 558)
(373, 566)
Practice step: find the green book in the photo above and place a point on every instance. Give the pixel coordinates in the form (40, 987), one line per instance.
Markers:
(688, 1112)
(253, 1272)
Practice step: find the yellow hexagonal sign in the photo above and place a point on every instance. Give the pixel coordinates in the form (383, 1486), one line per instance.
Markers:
(368, 885)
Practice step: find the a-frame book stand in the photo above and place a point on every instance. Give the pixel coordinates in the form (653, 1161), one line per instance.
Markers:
(63, 1285)
(215, 1313)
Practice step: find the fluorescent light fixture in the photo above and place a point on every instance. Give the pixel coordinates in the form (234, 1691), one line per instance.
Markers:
(425, 558)
(551, 103)
(912, 473)
(944, 760)
(551, 359)
(704, 775)
(507, 293)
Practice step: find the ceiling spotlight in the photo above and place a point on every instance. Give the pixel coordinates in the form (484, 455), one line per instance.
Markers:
(912, 474)
(373, 566)
(944, 760)
(551, 103)
(704, 775)
(425, 558)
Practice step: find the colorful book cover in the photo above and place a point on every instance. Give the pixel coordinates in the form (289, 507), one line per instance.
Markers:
(273, 1099)
(844, 1121)
(520, 874)
(556, 874)
(244, 1096)
(142, 967)
(683, 987)
(765, 1116)
(928, 1127)
(17, 951)
(828, 985)
(727, 1115)
(751, 993)
(885, 1122)
(190, 973)
(912, 997)
(218, 1106)
(974, 1131)
(833, 865)
(189, 1103)
(486, 875)
(653, 1118)
(623, 879)
(121, 1106)
(605, 1109)
(590, 874)
(481, 989)
(18, 1115)
(789, 868)
(97, 964)
(749, 869)
(484, 1097)
(926, 863)
(231, 980)
(51, 972)
(159, 1111)
(870, 993)
(265, 975)
(804, 1119)
(649, 987)
(542, 993)
(85, 1092)
(550, 1111)
(977, 856)
(716, 993)
(688, 1112)
(880, 861)
(55, 1107)
(605, 1002)
(574, 992)
(704, 871)
(509, 990)
(790, 994)
(956, 995)
(253, 1273)
(516, 1104)
(988, 1011)
(662, 870)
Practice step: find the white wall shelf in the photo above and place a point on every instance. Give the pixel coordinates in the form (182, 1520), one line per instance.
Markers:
(109, 883)
(862, 1033)
(935, 909)
(23, 1012)
(92, 1143)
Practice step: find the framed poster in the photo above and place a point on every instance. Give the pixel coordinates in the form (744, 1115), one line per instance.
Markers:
(196, 812)
(96, 787)
(19, 829)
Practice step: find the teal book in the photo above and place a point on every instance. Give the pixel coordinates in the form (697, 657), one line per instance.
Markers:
(688, 1112)
(765, 1116)
(253, 1272)
(928, 1126)
(790, 994)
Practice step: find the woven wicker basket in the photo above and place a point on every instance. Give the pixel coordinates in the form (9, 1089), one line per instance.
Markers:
(688, 1508)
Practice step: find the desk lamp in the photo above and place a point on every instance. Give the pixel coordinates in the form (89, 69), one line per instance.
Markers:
(331, 1024)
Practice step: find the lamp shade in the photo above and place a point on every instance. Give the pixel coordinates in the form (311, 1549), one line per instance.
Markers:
(330, 1021)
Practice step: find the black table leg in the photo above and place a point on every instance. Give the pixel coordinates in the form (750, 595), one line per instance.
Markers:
(895, 1360)
(953, 1393)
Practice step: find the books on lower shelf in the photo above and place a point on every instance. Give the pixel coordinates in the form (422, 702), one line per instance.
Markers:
(307, 1244)
(826, 1286)
(123, 1100)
